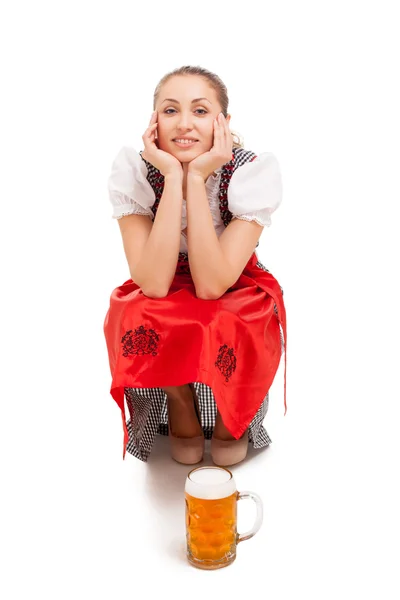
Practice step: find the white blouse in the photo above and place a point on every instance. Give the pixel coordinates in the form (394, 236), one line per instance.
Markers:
(254, 191)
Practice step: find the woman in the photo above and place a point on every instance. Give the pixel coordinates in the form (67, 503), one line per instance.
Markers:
(194, 336)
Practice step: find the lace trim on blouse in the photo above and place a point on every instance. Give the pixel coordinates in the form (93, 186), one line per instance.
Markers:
(264, 221)
(123, 207)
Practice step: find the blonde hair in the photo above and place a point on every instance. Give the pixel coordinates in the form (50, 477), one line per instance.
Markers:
(214, 81)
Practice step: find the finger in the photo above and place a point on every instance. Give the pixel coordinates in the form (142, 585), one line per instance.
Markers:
(153, 117)
(224, 126)
(228, 136)
(217, 134)
(153, 132)
(150, 130)
(229, 139)
(148, 136)
(222, 134)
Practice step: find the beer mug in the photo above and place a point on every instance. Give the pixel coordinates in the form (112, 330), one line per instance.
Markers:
(211, 517)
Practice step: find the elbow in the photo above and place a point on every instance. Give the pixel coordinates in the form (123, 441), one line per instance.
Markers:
(151, 289)
(207, 295)
(211, 292)
(155, 293)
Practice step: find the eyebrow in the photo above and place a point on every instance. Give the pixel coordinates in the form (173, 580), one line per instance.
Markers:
(193, 101)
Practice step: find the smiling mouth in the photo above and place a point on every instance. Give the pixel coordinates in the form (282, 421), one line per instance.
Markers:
(185, 140)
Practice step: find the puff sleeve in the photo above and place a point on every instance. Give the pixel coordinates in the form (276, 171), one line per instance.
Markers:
(255, 189)
(129, 191)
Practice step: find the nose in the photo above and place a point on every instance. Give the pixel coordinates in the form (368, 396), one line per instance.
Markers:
(185, 121)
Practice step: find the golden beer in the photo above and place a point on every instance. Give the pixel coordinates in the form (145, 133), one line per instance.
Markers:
(211, 527)
(211, 517)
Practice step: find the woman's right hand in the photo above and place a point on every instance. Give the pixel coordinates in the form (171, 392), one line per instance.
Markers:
(163, 161)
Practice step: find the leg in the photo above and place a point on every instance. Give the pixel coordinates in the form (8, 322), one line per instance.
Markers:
(225, 449)
(220, 431)
(182, 413)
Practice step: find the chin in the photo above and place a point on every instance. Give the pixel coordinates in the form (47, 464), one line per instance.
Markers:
(185, 155)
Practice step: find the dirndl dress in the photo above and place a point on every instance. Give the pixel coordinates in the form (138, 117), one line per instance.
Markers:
(230, 348)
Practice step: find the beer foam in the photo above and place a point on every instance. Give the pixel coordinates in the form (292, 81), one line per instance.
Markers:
(210, 483)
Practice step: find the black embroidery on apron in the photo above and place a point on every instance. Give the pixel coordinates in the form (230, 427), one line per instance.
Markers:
(226, 361)
(141, 341)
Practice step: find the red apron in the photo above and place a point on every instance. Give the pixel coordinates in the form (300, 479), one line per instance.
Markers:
(231, 344)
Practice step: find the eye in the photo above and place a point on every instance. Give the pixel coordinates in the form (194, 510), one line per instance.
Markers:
(203, 111)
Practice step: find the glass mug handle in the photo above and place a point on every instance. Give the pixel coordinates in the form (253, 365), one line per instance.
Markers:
(241, 537)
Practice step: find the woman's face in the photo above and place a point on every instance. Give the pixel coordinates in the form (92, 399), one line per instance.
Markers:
(180, 117)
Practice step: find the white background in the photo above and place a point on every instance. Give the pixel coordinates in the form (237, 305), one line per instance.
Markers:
(314, 82)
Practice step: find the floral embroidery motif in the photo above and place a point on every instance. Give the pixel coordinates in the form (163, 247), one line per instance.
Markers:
(142, 341)
(226, 361)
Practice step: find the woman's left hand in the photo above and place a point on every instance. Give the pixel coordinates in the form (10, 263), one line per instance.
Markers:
(220, 153)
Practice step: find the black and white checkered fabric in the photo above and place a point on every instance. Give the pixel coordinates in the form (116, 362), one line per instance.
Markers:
(148, 411)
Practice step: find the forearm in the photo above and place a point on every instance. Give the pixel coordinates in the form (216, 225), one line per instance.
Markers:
(208, 265)
(157, 266)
